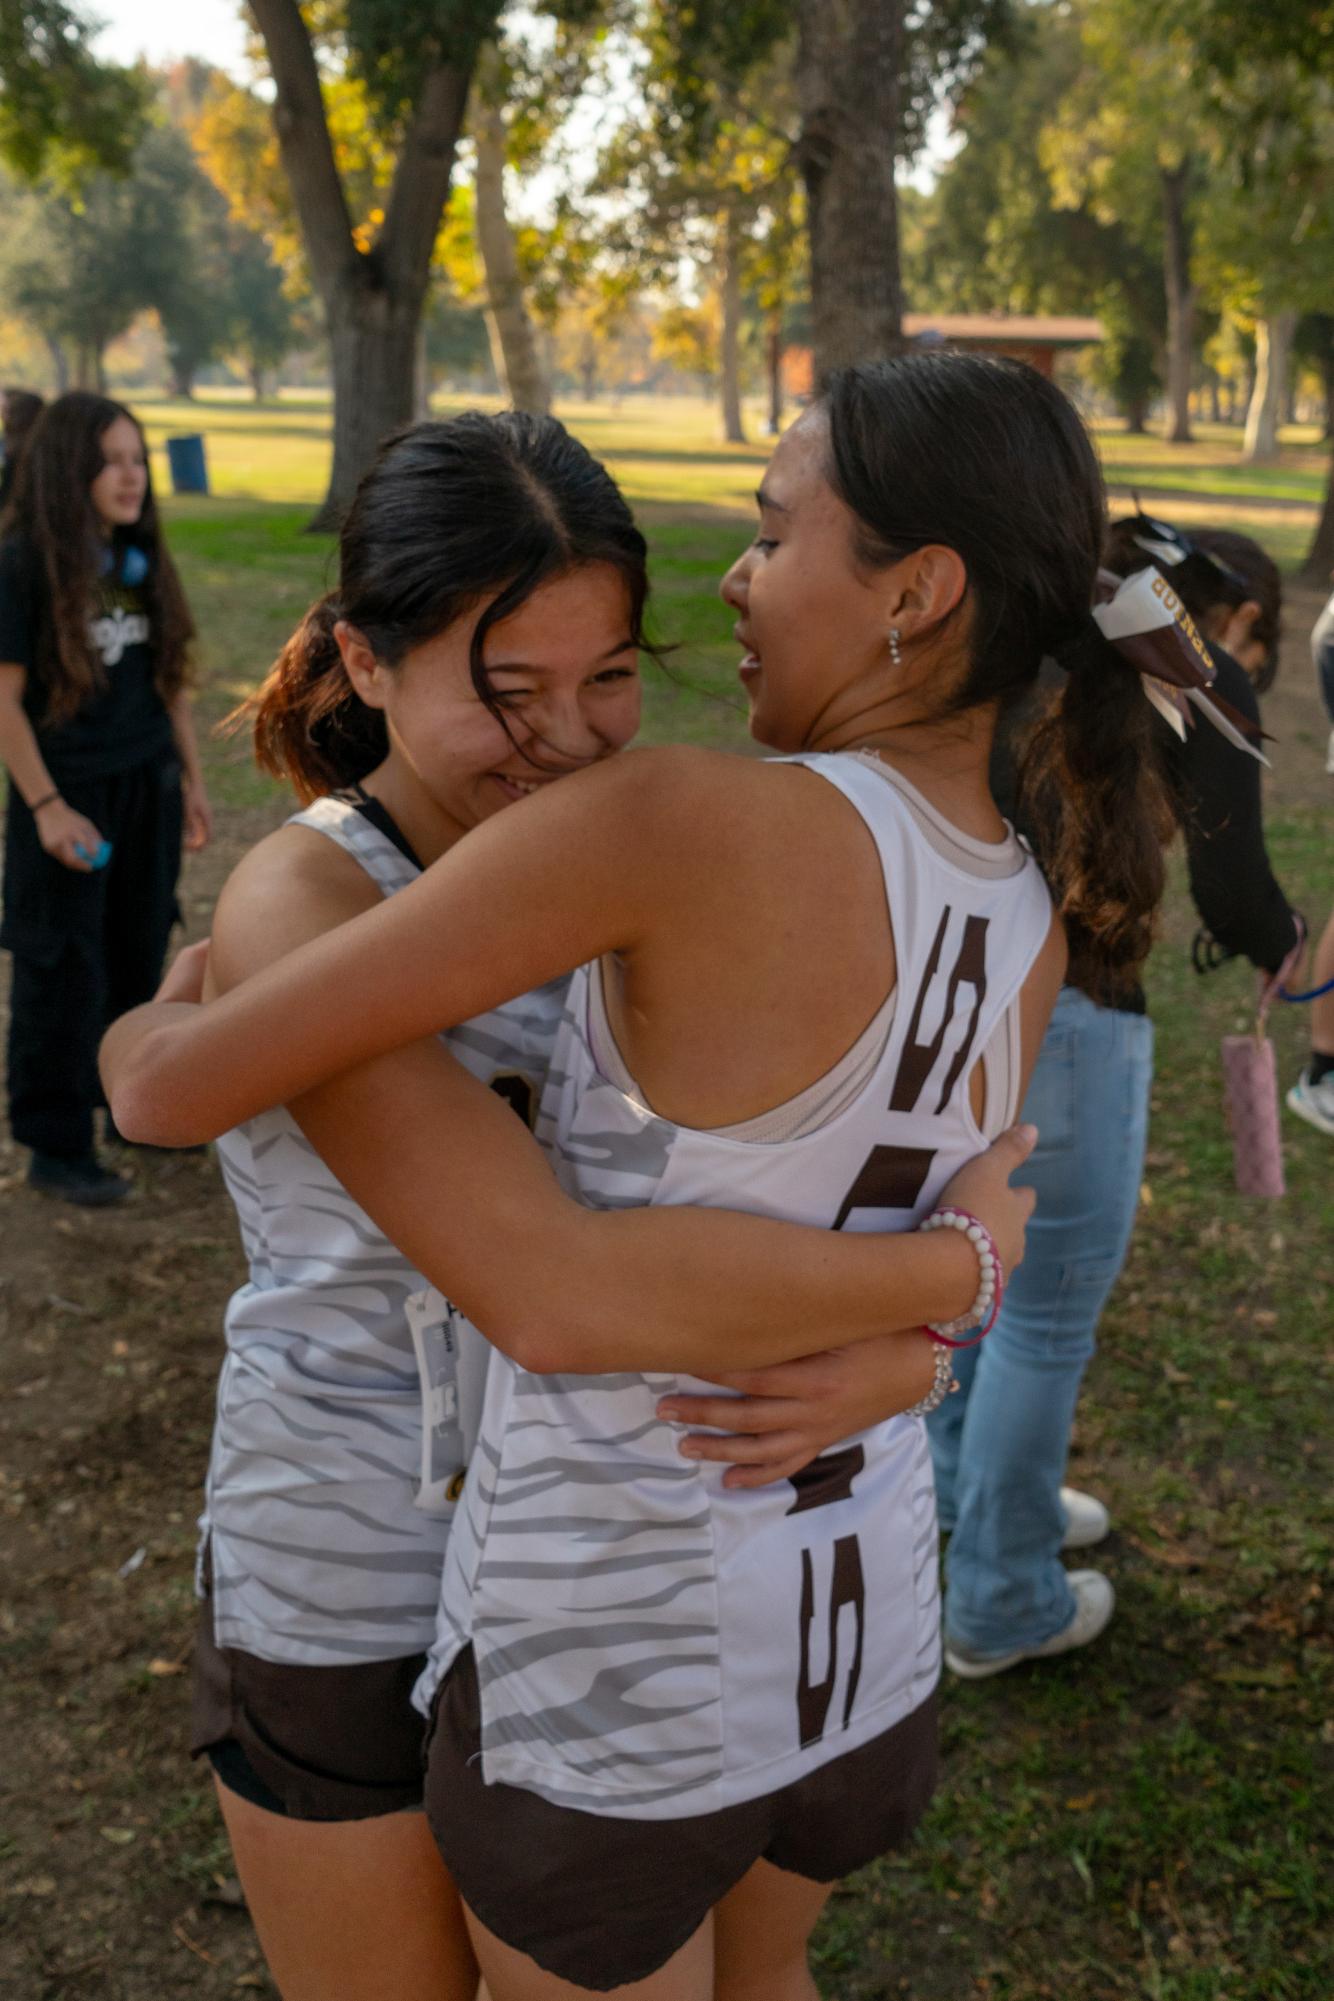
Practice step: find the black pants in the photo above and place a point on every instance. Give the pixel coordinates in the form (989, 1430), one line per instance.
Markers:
(86, 946)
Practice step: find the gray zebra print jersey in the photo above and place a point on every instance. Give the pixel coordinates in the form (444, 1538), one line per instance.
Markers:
(327, 1528)
(649, 1643)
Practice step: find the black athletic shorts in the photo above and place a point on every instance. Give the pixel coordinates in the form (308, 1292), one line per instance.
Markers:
(603, 1902)
(313, 1743)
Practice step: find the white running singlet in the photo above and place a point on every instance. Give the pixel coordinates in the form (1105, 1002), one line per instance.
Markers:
(326, 1546)
(650, 1644)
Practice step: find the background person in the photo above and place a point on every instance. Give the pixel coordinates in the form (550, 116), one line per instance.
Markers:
(104, 774)
(19, 411)
(1000, 1448)
(1312, 1096)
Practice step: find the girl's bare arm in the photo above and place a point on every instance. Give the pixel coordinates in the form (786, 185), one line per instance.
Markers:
(451, 1175)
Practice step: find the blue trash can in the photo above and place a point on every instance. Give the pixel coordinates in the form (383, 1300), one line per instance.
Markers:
(189, 468)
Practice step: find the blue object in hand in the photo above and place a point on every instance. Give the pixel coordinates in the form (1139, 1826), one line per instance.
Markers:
(100, 856)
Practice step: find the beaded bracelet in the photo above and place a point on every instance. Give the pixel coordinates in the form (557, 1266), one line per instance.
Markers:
(943, 1385)
(981, 1315)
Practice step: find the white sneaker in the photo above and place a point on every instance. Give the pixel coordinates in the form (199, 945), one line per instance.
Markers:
(1095, 1602)
(1086, 1519)
(1314, 1102)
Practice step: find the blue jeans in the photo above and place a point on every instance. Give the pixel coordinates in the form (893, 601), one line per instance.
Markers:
(1000, 1444)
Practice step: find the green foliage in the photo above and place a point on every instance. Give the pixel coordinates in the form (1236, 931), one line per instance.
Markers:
(390, 44)
(60, 108)
(79, 268)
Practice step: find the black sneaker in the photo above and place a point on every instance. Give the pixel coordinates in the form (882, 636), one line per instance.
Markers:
(82, 1180)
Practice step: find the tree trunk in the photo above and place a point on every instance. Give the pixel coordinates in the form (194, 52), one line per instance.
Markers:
(1215, 400)
(588, 371)
(773, 355)
(59, 362)
(849, 63)
(1180, 301)
(1136, 413)
(183, 384)
(514, 346)
(1273, 348)
(373, 298)
(1327, 383)
(734, 429)
(421, 377)
(1320, 556)
(256, 374)
(373, 348)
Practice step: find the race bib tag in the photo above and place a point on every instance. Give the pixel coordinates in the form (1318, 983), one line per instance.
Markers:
(435, 1339)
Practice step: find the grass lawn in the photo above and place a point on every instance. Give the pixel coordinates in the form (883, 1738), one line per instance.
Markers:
(1143, 1819)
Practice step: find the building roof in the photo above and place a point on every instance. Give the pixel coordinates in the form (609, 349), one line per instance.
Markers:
(1032, 329)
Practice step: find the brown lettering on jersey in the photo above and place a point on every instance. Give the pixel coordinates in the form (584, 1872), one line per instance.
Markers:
(848, 1588)
(919, 1058)
(892, 1177)
(827, 1479)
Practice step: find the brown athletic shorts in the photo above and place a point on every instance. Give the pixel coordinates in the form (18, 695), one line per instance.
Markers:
(604, 1902)
(313, 1743)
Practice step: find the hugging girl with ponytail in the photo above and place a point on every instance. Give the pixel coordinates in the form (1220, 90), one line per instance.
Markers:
(669, 1708)
(481, 645)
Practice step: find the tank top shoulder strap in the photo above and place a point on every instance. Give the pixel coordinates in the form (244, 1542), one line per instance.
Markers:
(342, 821)
(952, 928)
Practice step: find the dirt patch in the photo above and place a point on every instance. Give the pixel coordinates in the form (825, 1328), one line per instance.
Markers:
(114, 1877)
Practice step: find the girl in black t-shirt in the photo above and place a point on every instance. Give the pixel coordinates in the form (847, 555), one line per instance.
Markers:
(104, 772)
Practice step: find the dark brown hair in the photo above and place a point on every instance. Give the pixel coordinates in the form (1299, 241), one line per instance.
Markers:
(51, 507)
(1219, 571)
(20, 409)
(988, 458)
(449, 514)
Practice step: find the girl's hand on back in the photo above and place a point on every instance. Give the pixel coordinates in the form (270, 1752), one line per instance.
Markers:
(983, 1189)
(779, 1419)
(62, 832)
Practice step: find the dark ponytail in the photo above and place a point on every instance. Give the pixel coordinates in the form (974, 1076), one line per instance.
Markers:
(450, 514)
(309, 726)
(988, 458)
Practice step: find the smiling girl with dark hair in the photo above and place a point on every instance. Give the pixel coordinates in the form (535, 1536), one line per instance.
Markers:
(97, 736)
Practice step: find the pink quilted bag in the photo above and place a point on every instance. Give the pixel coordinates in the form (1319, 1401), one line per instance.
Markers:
(1250, 1079)
(1250, 1076)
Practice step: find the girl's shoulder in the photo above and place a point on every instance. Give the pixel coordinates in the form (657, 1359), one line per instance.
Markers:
(293, 886)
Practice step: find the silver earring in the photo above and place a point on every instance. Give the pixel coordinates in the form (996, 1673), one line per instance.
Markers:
(895, 646)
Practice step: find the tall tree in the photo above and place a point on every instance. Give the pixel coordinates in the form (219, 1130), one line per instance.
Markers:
(850, 59)
(416, 59)
(516, 349)
(1131, 140)
(994, 235)
(717, 209)
(61, 109)
(865, 74)
(80, 268)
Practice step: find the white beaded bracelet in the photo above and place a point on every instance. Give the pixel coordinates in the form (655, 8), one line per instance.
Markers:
(943, 1385)
(981, 1315)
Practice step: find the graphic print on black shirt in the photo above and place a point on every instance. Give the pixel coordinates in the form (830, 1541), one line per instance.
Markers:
(122, 724)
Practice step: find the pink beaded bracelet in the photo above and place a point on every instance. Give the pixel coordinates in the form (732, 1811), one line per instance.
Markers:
(982, 1314)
